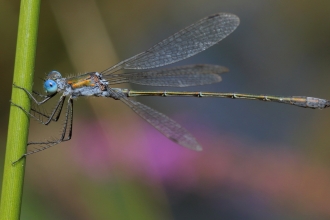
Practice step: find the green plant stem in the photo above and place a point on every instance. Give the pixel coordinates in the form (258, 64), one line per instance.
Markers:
(13, 176)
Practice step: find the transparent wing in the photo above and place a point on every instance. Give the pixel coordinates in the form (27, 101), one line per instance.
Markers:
(164, 124)
(185, 43)
(182, 76)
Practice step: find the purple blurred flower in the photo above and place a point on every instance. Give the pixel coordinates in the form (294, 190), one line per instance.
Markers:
(144, 152)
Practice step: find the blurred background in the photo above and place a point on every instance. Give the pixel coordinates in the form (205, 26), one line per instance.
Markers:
(260, 160)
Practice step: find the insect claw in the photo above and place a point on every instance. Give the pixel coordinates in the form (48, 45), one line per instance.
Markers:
(19, 159)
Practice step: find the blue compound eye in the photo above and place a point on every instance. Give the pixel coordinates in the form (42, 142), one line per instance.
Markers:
(50, 86)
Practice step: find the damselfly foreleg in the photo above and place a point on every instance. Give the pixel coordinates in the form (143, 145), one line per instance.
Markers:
(55, 114)
(47, 97)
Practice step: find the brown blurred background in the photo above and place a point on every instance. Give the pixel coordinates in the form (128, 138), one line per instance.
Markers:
(260, 160)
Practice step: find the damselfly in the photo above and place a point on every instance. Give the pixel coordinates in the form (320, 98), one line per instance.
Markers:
(185, 43)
